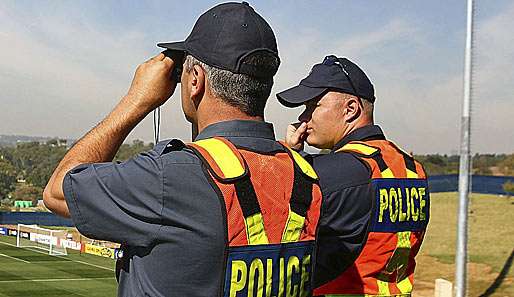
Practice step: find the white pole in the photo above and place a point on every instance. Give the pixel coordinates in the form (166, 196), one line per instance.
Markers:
(464, 167)
(18, 236)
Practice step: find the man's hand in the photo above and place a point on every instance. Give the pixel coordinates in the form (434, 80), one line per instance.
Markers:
(152, 84)
(295, 135)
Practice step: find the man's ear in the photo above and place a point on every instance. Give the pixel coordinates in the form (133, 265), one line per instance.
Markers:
(197, 84)
(352, 109)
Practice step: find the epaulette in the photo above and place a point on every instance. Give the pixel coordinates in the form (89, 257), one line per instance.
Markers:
(169, 145)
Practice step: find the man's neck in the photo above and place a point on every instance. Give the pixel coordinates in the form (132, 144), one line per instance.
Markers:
(354, 126)
(215, 111)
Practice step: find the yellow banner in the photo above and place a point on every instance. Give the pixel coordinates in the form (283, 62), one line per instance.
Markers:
(99, 251)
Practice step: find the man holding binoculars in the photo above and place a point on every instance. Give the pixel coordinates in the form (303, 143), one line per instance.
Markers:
(208, 218)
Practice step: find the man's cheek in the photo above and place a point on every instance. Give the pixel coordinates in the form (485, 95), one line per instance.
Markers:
(311, 137)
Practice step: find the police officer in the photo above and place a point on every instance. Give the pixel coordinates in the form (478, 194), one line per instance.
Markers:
(375, 197)
(209, 218)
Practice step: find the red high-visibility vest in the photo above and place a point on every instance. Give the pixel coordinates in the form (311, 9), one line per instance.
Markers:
(385, 267)
(272, 204)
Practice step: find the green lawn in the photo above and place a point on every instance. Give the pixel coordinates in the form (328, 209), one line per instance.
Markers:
(27, 273)
(491, 242)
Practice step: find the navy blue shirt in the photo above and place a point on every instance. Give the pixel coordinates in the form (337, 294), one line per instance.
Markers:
(345, 182)
(161, 204)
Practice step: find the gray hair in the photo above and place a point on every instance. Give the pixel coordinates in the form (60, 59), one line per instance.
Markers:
(249, 94)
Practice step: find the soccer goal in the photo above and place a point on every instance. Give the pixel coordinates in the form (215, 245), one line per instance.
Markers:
(32, 236)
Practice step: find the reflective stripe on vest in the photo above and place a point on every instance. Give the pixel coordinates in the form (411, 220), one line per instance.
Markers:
(229, 164)
(398, 262)
(301, 198)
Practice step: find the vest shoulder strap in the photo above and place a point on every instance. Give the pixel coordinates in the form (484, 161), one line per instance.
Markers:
(360, 148)
(222, 157)
(301, 196)
(300, 161)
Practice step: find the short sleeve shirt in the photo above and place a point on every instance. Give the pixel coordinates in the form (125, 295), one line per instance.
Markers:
(161, 204)
(345, 183)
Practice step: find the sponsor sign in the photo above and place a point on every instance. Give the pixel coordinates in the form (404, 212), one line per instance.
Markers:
(99, 251)
(42, 238)
(3, 231)
(12, 232)
(70, 244)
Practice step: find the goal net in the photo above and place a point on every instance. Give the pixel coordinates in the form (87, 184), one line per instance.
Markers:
(32, 236)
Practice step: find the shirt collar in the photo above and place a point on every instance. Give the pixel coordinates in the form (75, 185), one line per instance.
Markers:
(370, 132)
(238, 128)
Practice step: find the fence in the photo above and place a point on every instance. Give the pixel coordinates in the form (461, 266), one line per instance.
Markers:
(483, 184)
(30, 218)
(437, 183)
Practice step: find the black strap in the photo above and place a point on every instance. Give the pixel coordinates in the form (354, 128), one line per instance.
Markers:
(380, 161)
(246, 196)
(409, 162)
(301, 195)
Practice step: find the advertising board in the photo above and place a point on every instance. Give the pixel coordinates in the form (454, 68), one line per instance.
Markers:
(99, 251)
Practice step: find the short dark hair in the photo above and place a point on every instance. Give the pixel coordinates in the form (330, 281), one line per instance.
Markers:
(249, 94)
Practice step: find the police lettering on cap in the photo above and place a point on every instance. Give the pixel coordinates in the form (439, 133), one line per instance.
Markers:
(227, 36)
(338, 74)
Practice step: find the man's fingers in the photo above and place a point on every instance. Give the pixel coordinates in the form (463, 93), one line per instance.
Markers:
(295, 135)
(298, 134)
(169, 62)
(302, 128)
(291, 129)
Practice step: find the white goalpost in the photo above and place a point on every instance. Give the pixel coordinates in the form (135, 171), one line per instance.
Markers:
(32, 236)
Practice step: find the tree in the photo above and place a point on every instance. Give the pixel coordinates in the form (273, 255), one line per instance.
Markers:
(36, 162)
(509, 187)
(507, 166)
(7, 178)
(27, 192)
(128, 151)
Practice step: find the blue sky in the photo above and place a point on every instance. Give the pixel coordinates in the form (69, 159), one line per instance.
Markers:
(65, 64)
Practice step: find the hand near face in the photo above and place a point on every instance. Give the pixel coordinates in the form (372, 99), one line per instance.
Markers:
(152, 84)
(295, 135)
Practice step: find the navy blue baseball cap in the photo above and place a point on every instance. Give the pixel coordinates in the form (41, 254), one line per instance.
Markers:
(337, 74)
(226, 36)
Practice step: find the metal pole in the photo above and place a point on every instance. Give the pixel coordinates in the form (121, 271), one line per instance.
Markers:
(464, 169)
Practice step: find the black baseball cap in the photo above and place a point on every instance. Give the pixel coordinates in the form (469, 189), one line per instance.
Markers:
(226, 36)
(337, 74)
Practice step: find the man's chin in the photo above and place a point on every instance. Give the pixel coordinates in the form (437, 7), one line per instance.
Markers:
(317, 144)
(313, 143)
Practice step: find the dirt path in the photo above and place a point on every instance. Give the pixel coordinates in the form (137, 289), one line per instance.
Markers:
(480, 277)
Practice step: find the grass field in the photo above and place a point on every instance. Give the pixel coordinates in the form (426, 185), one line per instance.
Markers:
(490, 245)
(27, 273)
(491, 242)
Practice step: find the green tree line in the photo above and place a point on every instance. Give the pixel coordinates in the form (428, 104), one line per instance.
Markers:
(483, 164)
(26, 168)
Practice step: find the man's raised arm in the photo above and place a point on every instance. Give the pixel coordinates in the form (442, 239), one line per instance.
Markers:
(150, 88)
